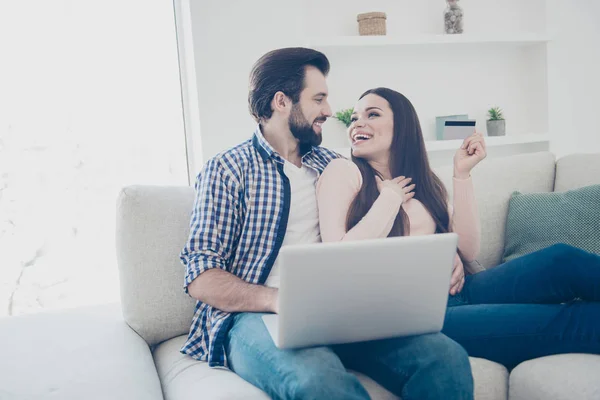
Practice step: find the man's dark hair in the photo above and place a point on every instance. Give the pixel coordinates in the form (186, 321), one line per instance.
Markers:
(281, 70)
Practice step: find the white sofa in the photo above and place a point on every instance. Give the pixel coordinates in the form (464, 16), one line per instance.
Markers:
(97, 353)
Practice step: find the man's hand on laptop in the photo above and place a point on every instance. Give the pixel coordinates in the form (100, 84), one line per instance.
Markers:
(458, 276)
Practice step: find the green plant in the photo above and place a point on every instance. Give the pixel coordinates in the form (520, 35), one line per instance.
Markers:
(344, 116)
(495, 114)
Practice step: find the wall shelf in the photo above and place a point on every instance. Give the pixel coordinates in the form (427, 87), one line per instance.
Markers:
(520, 39)
(493, 141)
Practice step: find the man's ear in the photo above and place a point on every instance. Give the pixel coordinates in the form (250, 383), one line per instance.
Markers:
(280, 102)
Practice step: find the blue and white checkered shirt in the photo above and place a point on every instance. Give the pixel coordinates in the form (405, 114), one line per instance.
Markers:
(238, 224)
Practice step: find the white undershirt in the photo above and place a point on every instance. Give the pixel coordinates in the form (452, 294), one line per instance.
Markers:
(303, 220)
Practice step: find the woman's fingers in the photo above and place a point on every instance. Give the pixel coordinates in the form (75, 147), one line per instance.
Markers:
(456, 288)
(456, 283)
(476, 137)
(410, 188)
(466, 142)
(479, 147)
(456, 276)
(474, 144)
(402, 181)
(405, 182)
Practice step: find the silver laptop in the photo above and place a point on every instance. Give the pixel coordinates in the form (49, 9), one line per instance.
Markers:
(333, 293)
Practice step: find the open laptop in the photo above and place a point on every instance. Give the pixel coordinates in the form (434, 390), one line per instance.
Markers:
(333, 293)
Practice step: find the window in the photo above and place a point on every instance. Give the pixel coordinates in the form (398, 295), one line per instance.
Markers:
(94, 104)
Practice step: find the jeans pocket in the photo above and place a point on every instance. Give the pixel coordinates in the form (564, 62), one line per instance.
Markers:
(456, 300)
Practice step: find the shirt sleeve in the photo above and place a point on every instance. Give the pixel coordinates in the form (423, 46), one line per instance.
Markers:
(336, 190)
(215, 223)
(465, 219)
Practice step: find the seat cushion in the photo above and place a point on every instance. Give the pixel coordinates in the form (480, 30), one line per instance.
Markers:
(491, 379)
(560, 377)
(88, 353)
(183, 378)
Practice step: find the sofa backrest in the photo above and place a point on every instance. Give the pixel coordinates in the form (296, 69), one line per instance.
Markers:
(153, 225)
(577, 170)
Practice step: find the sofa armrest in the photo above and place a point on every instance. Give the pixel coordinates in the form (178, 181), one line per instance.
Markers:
(86, 353)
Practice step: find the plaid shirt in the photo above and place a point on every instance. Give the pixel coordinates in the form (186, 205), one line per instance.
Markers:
(238, 224)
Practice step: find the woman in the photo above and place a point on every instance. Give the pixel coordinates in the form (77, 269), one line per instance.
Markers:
(544, 303)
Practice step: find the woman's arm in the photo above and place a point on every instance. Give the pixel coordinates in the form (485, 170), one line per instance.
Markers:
(465, 219)
(336, 189)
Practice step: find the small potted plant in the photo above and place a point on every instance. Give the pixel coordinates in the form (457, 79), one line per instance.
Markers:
(344, 116)
(496, 125)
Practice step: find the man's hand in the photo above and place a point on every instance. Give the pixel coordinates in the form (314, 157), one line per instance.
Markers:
(458, 276)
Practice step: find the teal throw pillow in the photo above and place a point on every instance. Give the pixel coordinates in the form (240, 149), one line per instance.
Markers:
(538, 220)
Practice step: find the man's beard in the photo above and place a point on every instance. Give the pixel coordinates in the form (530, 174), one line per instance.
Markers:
(302, 129)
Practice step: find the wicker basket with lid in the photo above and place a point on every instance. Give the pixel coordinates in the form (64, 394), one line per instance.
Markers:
(372, 23)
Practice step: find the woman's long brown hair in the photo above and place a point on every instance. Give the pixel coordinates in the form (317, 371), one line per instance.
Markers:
(408, 157)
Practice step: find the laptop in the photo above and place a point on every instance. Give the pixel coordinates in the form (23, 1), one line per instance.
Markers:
(343, 292)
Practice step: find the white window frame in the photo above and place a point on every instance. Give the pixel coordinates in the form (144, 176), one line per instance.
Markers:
(189, 87)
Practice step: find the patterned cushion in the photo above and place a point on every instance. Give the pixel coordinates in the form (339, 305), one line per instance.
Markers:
(538, 220)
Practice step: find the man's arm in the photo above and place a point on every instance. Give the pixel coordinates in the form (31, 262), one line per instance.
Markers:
(214, 232)
(229, 293)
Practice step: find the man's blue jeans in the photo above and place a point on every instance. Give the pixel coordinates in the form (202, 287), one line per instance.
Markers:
(544, 303)
(417, 367)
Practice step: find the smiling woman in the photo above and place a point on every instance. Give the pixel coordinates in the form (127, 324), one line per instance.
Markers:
(92, 109)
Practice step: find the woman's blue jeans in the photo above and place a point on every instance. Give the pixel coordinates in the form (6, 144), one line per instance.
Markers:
(541, 304)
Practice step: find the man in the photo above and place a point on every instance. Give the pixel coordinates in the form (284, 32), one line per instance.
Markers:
(258, 196)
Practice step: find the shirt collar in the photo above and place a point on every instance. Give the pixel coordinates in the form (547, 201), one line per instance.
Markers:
(267, 151)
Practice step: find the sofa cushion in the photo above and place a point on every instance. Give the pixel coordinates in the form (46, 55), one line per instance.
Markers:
(183, 378)
(152, 228)
(88, 353)
(495, 180)
(491, 379)
(560, 377)
(577, 170)
(538, 220)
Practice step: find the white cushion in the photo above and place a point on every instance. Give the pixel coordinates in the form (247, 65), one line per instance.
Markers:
(577, 170)
(152, 228)
(491, 379)
(494, 181)
(183, 378)
(560, 377)
(88, 353)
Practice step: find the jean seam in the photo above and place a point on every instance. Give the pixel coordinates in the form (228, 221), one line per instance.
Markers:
(258, 355)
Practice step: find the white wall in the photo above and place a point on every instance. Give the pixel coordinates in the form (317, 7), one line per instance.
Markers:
(230, 36)
(574, 75)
